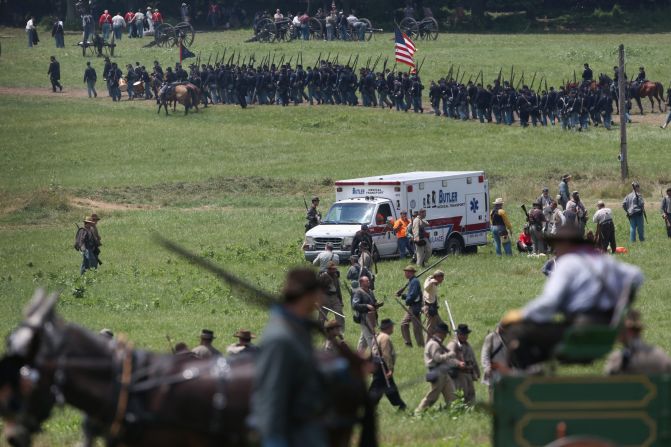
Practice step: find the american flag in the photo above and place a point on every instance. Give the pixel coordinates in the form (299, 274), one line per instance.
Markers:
(405, 49)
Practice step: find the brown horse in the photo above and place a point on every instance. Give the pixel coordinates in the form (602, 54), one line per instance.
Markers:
(651, 90)
(136, 398)
(185, 93)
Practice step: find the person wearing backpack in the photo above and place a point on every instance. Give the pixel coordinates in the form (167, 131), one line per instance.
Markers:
(86, 243)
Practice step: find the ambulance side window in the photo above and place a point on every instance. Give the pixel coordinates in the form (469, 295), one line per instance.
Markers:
(383, 213)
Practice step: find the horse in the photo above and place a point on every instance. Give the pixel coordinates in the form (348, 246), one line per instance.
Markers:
(137, 398)
(648, 89)
(185, 93)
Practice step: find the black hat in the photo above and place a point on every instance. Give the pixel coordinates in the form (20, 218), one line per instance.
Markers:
(463, 329)
(386, 323)
(571, 233)
(315, 199)
(207, 334)
(442, 327)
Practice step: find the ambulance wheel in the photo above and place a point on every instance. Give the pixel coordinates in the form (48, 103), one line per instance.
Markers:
(454, 245)
(471, 250)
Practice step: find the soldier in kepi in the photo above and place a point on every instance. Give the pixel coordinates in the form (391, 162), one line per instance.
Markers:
(314, 217)
(586, 288)
(636, 357)
(384, 357)
(438, 363)
(467, 370)
(287, 393)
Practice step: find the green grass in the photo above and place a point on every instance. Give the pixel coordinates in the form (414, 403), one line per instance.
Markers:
(229, 184)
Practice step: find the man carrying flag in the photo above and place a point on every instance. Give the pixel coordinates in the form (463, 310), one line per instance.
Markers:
(404, 49)
(184, 52)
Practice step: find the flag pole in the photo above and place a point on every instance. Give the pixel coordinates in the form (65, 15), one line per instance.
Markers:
(180, 51)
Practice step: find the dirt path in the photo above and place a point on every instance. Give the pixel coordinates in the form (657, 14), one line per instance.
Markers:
(650, 119)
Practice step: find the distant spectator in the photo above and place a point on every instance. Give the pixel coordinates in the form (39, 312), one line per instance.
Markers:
(58, 33)
(31, 32)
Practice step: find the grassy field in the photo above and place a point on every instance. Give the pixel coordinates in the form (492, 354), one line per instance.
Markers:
(229, 184)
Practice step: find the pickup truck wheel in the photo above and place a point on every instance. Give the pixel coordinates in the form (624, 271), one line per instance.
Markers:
(454, 245)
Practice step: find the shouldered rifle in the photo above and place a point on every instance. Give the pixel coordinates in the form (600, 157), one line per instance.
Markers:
(421, 64)
(531, 87)
(318, 59)
(376, 347)
(498, 78)
(638, 197)
(524, 210)
(305, 202)
(209, 59)
(400, 291)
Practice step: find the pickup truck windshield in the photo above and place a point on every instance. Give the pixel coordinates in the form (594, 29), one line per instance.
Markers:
(349, 213)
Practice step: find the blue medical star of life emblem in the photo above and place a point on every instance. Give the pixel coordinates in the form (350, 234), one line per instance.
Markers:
(475, 205)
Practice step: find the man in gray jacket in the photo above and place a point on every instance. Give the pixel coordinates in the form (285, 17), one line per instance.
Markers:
(634, 205)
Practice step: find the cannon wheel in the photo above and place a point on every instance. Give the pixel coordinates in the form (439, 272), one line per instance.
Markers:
(108, 49)
(316, 29)
(430, 28)
(369, 29)
(410, 27)
(185, 31)
(267, 30)
(164, 35)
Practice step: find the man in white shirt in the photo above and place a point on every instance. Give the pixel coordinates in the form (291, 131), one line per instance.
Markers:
(139, 23)
(605, 229)
(278, 16)
(30, 31)
(118, 24)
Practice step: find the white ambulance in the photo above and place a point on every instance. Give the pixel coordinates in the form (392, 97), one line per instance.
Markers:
(456, 203)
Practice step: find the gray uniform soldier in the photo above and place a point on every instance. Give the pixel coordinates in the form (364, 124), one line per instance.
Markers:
(365, 306)
(438, 362)
(636, 357)
(494, 354)
(665, 208)
(333, 336)
(205, 350)
(420, 237)
(287, 393)
(468, 371)
(332, 295)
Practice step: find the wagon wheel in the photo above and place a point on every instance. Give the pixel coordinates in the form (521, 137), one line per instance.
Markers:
(289, 33)
(316, 29)
(410, 27)
(267, 30)
(164, 35)
(369, 29)
(430, 28)
(185, 31)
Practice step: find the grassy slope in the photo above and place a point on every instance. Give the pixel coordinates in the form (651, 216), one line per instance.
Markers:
(228, 184)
